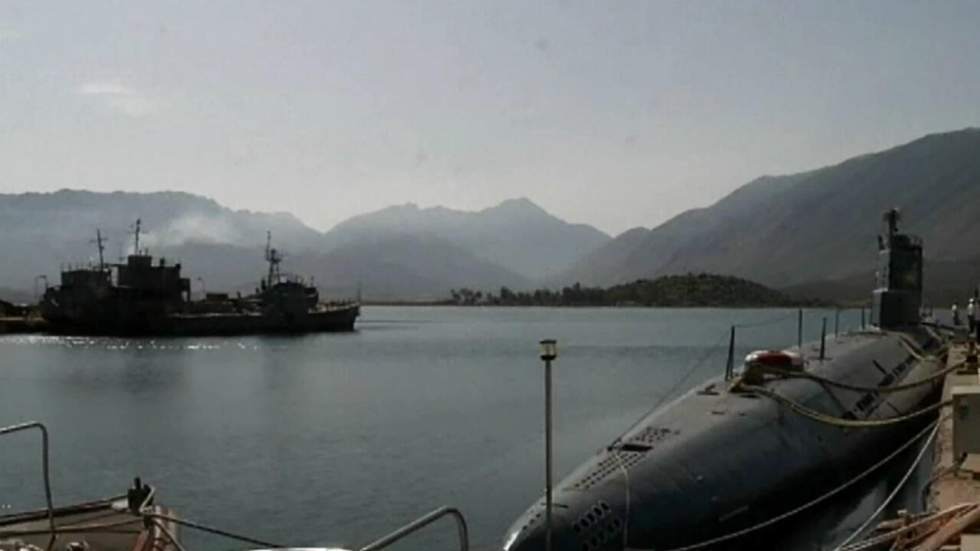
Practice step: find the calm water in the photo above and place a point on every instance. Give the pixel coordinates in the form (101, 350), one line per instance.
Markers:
(336, 439)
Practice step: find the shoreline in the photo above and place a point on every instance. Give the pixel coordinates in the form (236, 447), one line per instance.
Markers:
(630, 306)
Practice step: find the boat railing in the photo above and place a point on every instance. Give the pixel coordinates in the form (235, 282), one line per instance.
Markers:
(44, 465)
(142, 496)
(420, 523)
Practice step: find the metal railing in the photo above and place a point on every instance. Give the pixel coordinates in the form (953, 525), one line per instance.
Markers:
(44, 465)
(420, 523)
(142, 508)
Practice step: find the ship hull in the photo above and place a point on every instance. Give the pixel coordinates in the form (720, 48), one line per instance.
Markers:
(338, 319)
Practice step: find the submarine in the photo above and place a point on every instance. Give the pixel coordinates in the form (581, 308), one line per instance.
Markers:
(740, 452)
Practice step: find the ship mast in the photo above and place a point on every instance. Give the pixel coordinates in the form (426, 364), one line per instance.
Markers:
(273, 257)
(100, 242)
(136, 237)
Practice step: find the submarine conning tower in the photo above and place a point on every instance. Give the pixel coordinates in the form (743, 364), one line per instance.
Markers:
(897, 299)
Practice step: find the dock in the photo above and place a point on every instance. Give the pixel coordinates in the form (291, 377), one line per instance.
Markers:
(953, 484)
(952, 519)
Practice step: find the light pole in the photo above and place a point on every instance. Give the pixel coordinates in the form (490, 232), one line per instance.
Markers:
(549, 351)
(204, 290)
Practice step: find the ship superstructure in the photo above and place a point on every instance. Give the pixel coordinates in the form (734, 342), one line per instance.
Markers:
(143, 297)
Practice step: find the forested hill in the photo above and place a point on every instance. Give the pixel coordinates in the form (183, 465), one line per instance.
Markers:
(689, 290)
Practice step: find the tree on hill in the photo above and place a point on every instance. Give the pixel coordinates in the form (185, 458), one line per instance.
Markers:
(673, 290)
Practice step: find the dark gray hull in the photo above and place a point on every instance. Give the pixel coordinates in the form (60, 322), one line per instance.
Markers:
(338, 319)
(715, 463)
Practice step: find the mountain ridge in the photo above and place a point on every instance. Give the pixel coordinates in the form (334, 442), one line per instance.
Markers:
(222, 248)
(516, 234)
(797, 231)
(816, 225)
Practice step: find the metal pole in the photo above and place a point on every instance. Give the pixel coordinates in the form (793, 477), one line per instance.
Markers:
(836, 322)
(823, 338)
(547, 452)
(799, 330)
(730, 365)
(862, 317)
(44, 469)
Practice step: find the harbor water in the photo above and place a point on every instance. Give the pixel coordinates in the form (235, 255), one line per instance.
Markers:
(335, 439)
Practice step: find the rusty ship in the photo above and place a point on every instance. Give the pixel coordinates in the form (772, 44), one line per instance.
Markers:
(140, 297)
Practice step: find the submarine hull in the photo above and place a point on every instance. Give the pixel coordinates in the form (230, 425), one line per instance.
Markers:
(714, 463)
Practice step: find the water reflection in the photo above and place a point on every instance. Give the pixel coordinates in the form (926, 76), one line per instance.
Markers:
(336, 439)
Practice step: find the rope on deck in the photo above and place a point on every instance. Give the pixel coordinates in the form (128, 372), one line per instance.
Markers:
(898, 487)
(785, 373)
(841, 421)
(210, 529)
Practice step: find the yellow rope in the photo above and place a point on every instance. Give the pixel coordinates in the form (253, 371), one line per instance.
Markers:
(857, 388)
(840, 421)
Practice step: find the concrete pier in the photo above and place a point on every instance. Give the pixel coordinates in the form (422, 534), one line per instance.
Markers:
(952, 486)
(955, 482)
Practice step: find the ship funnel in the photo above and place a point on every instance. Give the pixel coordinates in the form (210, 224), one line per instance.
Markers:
(898, 296)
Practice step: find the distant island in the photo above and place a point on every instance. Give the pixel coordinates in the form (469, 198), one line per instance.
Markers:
(690, 290)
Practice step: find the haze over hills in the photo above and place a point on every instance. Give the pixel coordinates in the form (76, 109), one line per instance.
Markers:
(43, 231)
(222, 249)
(811, 233)
(516, 234)
(815, 227)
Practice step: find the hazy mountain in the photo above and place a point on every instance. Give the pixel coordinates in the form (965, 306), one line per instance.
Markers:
(386, 268)
(16, 296)
(402, 266)
(946, 281)
(42, 231)
(785, 231)
(398, 253)
(516, 234)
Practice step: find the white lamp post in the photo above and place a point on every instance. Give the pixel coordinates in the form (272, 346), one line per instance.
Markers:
(549, 351)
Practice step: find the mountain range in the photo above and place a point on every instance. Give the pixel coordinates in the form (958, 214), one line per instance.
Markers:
(815, 232)
(811, 234)
(401, 252)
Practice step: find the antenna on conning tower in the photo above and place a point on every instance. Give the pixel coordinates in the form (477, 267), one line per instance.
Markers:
(136, 237)
(100, 242)
(891, 217)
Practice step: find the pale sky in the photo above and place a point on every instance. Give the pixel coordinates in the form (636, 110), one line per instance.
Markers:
(617, 114)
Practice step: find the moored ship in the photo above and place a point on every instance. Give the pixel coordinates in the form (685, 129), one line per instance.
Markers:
(143, 298)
